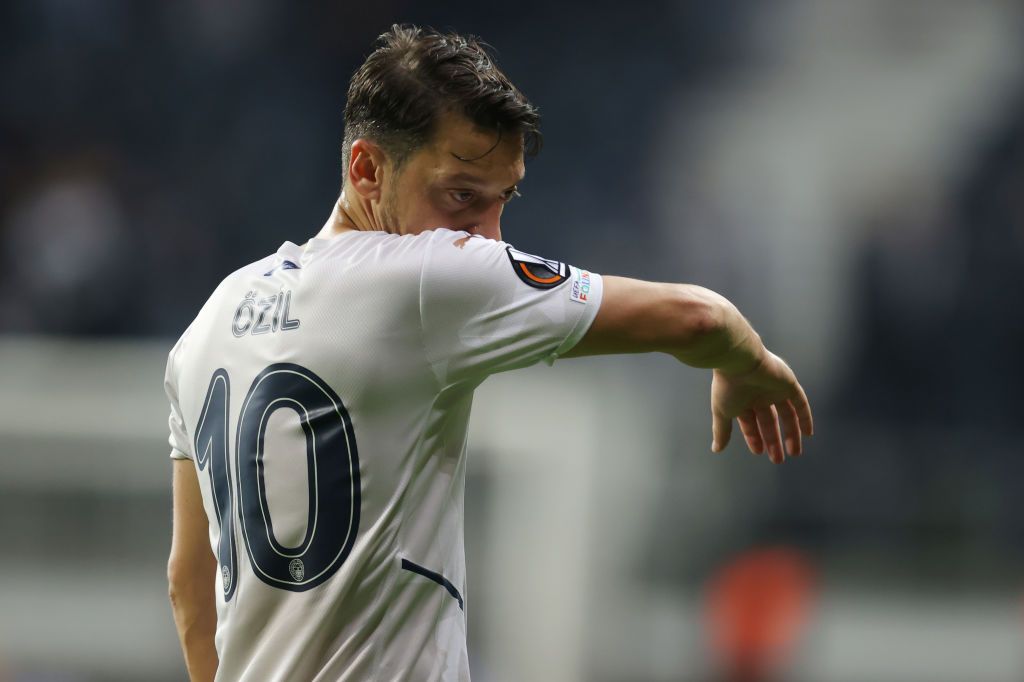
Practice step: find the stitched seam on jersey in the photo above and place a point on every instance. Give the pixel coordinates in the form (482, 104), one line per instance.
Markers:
(387, 585)
(441, 381)
(395, 547)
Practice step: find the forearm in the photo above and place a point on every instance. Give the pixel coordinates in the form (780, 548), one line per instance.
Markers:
(720, 337)
(696, 325)
(195, 617)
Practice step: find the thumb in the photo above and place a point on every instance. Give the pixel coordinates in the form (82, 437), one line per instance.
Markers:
(721, 428)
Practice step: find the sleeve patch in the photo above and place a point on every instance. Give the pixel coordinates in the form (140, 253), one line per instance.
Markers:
(580, 286)
(537, 272)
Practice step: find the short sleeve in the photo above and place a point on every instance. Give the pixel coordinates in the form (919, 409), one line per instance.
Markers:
(178, 438)
(487, 307)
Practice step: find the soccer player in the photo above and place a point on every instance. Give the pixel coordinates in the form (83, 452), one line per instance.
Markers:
(320, 399)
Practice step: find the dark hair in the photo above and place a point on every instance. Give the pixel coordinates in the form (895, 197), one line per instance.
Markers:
(416, 73)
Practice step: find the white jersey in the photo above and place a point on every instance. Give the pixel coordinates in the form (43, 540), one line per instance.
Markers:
(324, 395)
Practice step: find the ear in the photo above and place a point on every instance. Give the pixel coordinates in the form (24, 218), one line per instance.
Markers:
(366, 169)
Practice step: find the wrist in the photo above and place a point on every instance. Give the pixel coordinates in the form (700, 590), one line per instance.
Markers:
(746, 354)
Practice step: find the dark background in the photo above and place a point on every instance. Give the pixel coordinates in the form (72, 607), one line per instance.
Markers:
(853, 178)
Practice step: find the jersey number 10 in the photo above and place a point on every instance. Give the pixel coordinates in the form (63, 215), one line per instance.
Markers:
(332, 473)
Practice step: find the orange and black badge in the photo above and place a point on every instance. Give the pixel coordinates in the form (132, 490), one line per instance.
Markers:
(539, 273)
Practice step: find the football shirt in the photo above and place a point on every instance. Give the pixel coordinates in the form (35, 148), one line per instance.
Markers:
(324, 395)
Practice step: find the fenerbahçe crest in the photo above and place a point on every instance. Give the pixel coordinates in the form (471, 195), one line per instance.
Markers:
(538, 272)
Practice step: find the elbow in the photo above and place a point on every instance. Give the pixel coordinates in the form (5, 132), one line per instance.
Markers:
(705, 319)
(699, 314)
(180, 582)
(191, 572)
(190, 578)
(701, 328)
(174, 583)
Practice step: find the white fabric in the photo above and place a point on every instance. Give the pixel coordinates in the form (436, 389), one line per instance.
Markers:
(402, 329)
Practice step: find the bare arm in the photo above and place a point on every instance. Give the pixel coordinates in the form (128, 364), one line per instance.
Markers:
(191, 574)
(703, 329)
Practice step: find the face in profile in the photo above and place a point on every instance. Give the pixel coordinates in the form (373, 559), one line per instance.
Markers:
(461, 180)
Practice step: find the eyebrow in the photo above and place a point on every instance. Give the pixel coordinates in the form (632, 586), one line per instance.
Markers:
(474, 179)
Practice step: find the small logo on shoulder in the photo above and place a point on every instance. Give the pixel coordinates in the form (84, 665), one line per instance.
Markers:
(580, 286)
(539, 273)
(284, 265)
(296, 570)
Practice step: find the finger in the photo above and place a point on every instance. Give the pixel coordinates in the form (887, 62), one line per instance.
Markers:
(767, 422)
(803, 411)
(791, 424)
(748, 425)
(721, 430)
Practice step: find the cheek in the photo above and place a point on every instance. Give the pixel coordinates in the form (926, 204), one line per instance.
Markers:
(422, 211)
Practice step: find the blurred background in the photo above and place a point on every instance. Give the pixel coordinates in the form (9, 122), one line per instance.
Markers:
(850, 174)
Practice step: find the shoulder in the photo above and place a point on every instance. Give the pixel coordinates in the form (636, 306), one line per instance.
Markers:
(497, 261)
(379, 248)
(445, 241)
(444, 247)
(212, 301)
(431, 249)
(461, 241)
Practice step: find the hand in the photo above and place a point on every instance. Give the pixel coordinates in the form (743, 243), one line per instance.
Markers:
(759, 398)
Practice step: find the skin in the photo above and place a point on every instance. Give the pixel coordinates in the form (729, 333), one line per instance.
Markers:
(434, 186)
(191, 575)
(462, 180)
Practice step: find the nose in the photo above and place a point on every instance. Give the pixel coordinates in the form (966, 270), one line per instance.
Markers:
(488, 223)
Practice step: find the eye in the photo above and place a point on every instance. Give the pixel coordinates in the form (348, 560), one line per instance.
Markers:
(509, 194)
(462, 196)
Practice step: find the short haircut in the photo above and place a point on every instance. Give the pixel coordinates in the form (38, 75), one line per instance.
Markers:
(415, 74)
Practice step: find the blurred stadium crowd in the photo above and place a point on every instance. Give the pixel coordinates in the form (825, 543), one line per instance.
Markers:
(150, 149)
(850, 174)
